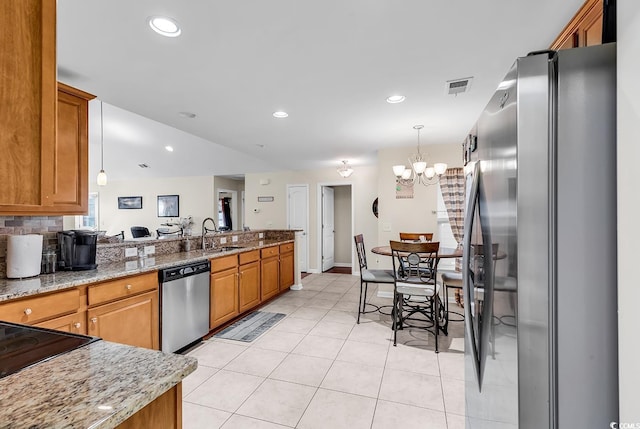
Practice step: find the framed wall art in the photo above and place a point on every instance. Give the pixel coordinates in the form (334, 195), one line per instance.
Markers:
(168, 205)
(128, 203)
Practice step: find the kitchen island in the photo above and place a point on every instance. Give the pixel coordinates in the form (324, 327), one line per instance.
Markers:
(101, 385)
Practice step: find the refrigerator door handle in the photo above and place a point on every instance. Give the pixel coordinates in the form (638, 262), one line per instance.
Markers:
(467, 282)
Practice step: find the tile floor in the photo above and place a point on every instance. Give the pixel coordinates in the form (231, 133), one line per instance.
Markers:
(318, 369)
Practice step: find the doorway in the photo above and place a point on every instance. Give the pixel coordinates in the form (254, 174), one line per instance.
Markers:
(336, 223)
(227, 208)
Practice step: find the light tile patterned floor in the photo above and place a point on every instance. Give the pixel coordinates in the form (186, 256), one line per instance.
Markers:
(318, 369)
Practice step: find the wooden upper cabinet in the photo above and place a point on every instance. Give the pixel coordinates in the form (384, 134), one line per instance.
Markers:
(585, 29)
(28, 100)
(43, 125)
(71, 152)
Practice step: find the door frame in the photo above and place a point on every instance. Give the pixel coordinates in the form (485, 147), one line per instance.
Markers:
(319, 220)
(306, 186)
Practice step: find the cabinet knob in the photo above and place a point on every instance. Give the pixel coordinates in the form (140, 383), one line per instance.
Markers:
(27, 311)
(77, 325)
(128, 287)
(94, 320)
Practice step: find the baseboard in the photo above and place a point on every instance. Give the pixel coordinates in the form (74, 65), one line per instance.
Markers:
(342, 264)
(313, 271)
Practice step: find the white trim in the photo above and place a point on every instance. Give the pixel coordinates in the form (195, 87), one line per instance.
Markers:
(305, 185)
(314, 271)
(319, 217)
(342, 264)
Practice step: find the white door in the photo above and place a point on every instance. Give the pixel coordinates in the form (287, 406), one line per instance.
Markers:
(328, 228)
(298, 198)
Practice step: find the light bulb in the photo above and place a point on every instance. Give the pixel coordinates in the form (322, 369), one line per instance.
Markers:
(440, 168)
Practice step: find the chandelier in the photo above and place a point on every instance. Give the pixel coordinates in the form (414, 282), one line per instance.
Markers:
(345, 169)
(419, 172)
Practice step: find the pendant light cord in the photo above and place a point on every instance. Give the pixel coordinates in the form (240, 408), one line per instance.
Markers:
(101, 139)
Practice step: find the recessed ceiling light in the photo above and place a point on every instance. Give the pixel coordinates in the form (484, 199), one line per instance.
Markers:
(280, 114)
(165, 26)
(187, 115)
(169, 148)
(393, 99)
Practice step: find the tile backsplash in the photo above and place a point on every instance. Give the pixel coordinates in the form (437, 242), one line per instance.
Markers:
(48, 226)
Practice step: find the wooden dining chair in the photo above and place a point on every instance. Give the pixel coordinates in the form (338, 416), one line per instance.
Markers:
(416, 289)
(416, 236)
(368, 276)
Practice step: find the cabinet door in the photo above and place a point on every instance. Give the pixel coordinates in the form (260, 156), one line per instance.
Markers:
(132, 321)
(70, 174)
(28, 100)
(584, 29)
(74, 323)
(224, 297)
(286, 271)
(249, 286)
(269, 277)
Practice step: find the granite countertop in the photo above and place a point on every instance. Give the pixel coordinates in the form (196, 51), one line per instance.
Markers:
(99, 385)
(11, 289)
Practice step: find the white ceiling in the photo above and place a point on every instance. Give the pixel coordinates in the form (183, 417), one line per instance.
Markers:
(330, 64)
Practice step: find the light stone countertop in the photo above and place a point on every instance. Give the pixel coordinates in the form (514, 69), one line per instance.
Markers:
(96, 386)
(12, 289)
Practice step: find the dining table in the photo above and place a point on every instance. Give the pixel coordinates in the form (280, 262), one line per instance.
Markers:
(443, 252)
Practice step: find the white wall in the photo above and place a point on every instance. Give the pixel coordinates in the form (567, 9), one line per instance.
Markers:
(196, 200)
(343, 247)
(273, 215)
(628, 207)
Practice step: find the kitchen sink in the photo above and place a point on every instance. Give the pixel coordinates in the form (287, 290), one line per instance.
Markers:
(224, 248)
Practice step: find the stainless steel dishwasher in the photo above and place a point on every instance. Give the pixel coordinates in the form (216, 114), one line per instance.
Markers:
(184, 305)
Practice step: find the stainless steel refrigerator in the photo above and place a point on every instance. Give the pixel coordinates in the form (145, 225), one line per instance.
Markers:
(539, 262)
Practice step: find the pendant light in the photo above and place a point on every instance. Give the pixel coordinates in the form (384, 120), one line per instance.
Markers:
(422, 174)
(102, 176)
(345, 169)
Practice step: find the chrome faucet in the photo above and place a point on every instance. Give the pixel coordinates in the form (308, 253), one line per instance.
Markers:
(205, 230)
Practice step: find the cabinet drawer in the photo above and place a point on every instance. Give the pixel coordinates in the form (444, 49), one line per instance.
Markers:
(121, 288)
(286, 248)
(247, 257)
(75, 323)
(269, 251)
(32, 310)
(224, 263)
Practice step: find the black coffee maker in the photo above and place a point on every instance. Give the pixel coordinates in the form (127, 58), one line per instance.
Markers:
(77, 250)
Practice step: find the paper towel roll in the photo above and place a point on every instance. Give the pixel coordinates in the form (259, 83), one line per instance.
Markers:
(24, 254)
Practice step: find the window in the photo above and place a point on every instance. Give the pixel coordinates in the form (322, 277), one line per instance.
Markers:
(445, 236)
(90, 221)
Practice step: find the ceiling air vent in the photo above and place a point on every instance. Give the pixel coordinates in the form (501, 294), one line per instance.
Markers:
(143, 165)
(458, 86)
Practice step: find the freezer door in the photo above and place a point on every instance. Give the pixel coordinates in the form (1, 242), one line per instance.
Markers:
(491, 375)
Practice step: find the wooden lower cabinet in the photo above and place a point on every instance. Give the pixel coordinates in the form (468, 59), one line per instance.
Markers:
(224, 297)
(249, 287)
(269, 269)
(287, 276)
(165, 412)
(133, 321)
(74, 323)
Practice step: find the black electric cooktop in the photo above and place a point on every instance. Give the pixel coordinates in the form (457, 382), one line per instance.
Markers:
(22, 346)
